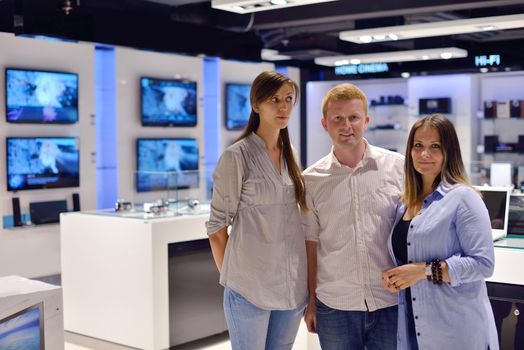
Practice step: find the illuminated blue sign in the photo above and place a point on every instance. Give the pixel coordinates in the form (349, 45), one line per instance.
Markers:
(362, 68)
(484, 61)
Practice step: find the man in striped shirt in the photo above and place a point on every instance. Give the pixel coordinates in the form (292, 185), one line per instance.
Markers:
(352, 195)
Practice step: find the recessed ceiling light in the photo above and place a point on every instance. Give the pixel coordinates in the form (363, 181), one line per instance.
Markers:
(366, 39)
(341, 63)
(379, 37)
(405, 75)
(484, 70)
(273, 55)
(446, 55)
(247, 6)
(394, 56)
(424, 30)
(393, 36)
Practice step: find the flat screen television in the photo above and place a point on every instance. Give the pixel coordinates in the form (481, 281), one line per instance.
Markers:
(34, 96)
(238, 106)
(166, 164)
(434, 105)
(42, 162)
(168, 102)
(23, 329)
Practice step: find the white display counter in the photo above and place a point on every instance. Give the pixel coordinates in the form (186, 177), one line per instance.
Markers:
(509, 258)
(115, 275)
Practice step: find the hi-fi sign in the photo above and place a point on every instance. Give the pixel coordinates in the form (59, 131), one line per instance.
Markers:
(487, 61)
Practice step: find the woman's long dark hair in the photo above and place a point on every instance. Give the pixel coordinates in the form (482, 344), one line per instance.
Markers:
(265, 85)
(453, 171)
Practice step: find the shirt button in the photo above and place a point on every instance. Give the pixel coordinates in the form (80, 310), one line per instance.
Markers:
(409, 243)
(416, 317)
(410, 261)
(425, 200)
(411, 226)
(418, 334)
(414, 299)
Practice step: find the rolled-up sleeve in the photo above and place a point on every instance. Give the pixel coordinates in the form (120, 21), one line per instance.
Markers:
(474, 233)
(310, 223)
(227, 186)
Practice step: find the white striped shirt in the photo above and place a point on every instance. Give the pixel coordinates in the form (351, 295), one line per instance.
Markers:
(351, 214)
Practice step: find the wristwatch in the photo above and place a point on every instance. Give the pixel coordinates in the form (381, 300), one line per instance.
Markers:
(427, 271)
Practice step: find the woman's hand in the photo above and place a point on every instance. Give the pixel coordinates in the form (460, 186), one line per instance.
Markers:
(403, 277)
(310, 317)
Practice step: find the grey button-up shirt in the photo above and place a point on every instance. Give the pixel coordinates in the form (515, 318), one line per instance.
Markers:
(265, 258)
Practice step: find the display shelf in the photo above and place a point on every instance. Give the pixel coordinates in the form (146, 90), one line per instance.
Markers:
(396, 116)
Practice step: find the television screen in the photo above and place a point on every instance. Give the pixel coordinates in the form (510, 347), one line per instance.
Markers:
(238, 106)
(168, 102)
(41, 97)
(434, 105)
(23, 330)
(42, 162)
(161, 164)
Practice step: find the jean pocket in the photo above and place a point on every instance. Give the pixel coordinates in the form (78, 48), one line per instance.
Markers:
(322, 308)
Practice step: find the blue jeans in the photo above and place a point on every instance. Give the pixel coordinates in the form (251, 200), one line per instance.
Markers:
(354, 330)
(253, 328)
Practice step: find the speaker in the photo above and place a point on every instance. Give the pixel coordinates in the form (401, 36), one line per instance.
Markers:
(17, 215)
(434, 105)
(515, 108)
(76, 202)
(47, 212)
(490, 143)
(490, 109)
(520, 147)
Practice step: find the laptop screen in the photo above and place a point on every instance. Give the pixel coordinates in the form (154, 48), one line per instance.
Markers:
(496, 200)
(516, 215)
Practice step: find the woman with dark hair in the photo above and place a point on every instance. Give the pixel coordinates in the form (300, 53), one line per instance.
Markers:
(442, 246)
(258, 189)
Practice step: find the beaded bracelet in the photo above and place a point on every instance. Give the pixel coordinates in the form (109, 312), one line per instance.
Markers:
(436, 271)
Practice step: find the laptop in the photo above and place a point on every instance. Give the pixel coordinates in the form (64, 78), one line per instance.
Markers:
(496, 200)
(516, 214)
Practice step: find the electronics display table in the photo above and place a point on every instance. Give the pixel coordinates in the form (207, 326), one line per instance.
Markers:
(115, 274)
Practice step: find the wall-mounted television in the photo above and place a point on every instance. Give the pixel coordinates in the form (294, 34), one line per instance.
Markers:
(42, 162)
(34, 96)
(434, 105)
(166, 164)
(23, 329)
(238, 107)
(168, 102)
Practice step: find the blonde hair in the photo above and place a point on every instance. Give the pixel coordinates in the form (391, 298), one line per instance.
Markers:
(453, 171)
(344, 92)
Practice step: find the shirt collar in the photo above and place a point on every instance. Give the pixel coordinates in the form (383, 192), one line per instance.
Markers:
(370, 153)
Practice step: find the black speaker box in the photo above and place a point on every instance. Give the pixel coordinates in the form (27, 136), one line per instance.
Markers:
(17, 215)
(76, 202)
(490, 109)
(515, 108)
(47, 212)
(434, 105)
(490, 143)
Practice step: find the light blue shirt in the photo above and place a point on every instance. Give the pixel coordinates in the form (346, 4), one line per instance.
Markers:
(453, 225)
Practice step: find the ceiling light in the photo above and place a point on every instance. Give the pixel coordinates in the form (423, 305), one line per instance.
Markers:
(405, 75)
(483, 70)
(366, 39)
(341, 63)
(247, 6)
(354, 61)
(273, 55)
(446, 55)
(394, 56)
(424, 30)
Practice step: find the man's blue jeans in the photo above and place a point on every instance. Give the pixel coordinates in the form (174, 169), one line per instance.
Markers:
(252, 328)
(354, 330)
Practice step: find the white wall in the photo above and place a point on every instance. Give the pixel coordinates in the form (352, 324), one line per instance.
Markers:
(132, 64)
(35, 251)
(318, 141)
